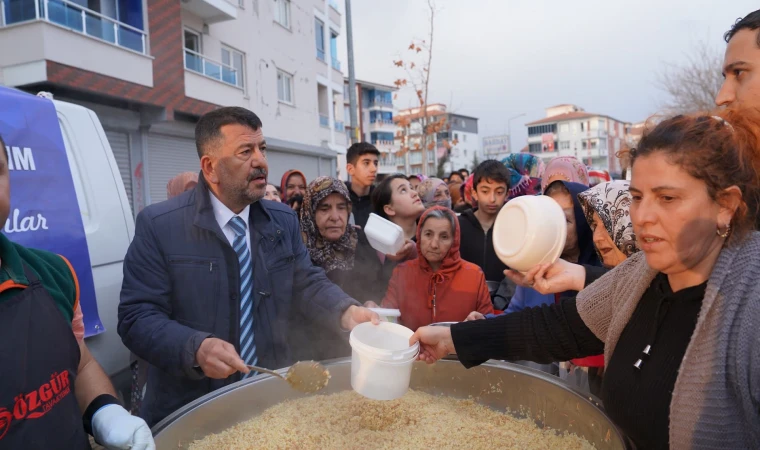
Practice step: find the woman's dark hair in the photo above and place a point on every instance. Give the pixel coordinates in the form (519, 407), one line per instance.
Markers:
(750, 22)
(721, 150)
(383, 193)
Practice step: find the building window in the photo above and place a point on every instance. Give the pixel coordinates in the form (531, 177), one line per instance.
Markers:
(334, 50)
(564, 145)
(456, 136)
(542, 129)
(193, 51)
(233, 71)
(535, 148)
(282, 12)
(464, 137)
(564, 128)
(319, 35)
(284, 87)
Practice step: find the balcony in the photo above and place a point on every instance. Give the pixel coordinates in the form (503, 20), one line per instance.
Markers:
(379, 102)
(382, 125)
(324, 121)
(207, 67)
(211, 11)
(75, 18)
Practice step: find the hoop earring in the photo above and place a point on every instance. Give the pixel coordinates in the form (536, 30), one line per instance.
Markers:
(725, 233)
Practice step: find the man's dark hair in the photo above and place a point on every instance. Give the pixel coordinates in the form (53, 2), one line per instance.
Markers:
(383, 193)
(750, 22)
(490, 170)
(457, 173)
(360, 149)
(465, 171)
(209, 127)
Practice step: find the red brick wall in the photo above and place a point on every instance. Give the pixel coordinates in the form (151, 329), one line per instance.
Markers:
(166, 47)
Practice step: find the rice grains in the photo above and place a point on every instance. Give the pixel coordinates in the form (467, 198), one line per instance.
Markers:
(418, 420)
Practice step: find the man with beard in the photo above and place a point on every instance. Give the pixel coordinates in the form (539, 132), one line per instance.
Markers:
(213, 275)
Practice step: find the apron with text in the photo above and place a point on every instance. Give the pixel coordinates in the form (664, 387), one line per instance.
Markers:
(39, 360)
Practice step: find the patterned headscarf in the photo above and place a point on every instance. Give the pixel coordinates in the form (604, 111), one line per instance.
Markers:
(525, 172)
(565, 168)
(325, 254)
(427, 189)
(612, 201)
(181, 183)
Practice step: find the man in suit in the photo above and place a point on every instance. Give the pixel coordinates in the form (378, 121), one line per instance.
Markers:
(213, 275)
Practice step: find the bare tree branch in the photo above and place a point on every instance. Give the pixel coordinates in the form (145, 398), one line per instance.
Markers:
(692, 85)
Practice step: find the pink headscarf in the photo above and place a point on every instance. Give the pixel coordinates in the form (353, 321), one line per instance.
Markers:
(181, 183)
(564, 168)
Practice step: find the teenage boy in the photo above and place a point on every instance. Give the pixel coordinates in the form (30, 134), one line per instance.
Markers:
(362, 159)
(490, 186)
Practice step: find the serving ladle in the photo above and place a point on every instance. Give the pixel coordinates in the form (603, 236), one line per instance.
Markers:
(304, 376)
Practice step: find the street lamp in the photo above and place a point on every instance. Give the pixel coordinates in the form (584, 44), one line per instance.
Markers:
(509, 129)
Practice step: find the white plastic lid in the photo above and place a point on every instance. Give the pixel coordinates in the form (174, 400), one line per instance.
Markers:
(386, 312)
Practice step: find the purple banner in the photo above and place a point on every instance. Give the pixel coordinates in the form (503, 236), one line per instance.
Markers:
(44, 210)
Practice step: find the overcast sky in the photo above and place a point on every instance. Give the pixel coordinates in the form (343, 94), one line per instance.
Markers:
(495, 59)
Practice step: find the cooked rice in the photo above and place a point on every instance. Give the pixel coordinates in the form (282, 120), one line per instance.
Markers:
(418, 420)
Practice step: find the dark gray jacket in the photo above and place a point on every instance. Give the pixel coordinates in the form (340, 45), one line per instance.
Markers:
(181, 285)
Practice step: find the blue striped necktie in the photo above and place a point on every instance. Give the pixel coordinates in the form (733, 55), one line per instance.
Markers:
(247, 343)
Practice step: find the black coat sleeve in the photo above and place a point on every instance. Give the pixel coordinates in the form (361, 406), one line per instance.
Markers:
(542, 334)
(593, 273)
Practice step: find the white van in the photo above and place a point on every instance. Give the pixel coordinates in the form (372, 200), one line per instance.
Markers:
(108, 225)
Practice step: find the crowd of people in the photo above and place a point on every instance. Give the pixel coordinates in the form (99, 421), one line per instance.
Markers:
(653, 302)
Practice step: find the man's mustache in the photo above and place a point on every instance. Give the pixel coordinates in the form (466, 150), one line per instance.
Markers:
(257, 173)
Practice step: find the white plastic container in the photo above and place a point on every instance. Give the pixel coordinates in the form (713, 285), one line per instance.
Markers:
(528, 231)
(387, 314)
(384, 236)
(381, 360)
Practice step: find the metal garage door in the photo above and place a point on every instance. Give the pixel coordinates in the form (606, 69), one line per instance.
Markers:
(120, 146)
(169, 156)
(280, 162)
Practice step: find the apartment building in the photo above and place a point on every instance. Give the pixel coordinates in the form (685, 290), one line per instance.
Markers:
(375, 112)
(151, 68)
(568, 130)
(457, 128)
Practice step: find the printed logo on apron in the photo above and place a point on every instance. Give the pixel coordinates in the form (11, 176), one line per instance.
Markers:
(37, 403)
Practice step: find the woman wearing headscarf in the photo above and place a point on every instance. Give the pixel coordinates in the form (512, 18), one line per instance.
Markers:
(434, 192)
(526, 171)
(438, 286)
(293, 184)
(332, 244)
(564, 168)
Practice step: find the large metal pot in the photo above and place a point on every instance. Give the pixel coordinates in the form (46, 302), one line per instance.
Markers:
(498, 385)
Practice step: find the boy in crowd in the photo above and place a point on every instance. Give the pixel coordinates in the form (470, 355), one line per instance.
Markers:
(362, 160)
(464, 173)
(489, 190)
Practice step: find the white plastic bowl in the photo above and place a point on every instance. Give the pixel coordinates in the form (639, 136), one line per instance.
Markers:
(383, 235)
(528, 231)
(381, 360)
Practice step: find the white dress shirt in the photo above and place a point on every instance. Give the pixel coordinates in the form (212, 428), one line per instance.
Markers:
(223, 216)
